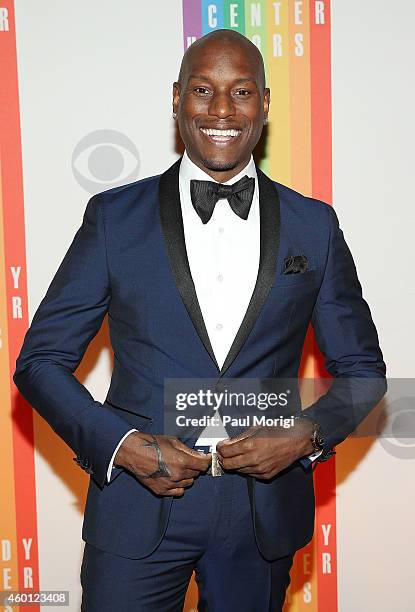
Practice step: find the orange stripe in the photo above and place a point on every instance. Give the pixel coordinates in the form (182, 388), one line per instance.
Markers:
(321, 126)
(15, 256)
(7, 491)
(300, 114)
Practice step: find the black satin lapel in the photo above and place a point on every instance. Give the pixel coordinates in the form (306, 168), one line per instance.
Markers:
(269, 210)
(173, 231)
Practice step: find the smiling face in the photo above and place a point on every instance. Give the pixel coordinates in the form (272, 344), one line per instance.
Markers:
(221, 102)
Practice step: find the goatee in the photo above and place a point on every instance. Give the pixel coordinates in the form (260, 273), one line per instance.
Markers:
(219, 166)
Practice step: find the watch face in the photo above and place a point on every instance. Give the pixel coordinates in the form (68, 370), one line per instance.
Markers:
(317, 438)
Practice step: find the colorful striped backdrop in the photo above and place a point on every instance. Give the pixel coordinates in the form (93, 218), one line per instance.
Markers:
(294, 38)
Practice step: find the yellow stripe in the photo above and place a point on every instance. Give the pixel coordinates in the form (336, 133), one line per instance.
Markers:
(279, 149)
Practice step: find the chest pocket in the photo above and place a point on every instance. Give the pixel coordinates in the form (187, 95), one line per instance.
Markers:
(301, 280)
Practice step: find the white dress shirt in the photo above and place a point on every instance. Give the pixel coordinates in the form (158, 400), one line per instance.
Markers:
(223, 257)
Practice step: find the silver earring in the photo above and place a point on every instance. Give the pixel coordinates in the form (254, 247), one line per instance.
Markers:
(265, 120)
(174, 115)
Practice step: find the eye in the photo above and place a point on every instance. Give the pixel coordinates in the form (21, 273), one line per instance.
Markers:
(201, 90)
(242, 92)
(105, 159)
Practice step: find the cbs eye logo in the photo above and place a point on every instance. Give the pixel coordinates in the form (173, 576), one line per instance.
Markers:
(396, 428)
(105, 159)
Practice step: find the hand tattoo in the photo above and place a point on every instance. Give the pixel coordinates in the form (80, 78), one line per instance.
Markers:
(162, 469)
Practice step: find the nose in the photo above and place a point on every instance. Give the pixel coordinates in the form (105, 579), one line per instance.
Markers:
(222, 106)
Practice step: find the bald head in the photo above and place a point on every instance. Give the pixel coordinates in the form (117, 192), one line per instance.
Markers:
(225, 40)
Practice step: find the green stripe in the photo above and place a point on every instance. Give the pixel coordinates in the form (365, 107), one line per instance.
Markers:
(239, 15)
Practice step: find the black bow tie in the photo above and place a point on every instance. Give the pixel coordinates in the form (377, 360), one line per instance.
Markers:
(205, 194)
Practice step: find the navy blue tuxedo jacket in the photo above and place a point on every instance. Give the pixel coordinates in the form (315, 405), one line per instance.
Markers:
(128, 259)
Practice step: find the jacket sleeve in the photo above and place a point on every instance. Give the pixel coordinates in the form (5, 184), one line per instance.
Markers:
(346, 335)
(67, 319)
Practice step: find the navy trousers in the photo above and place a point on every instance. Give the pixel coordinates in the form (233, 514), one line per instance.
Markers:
(209, 531)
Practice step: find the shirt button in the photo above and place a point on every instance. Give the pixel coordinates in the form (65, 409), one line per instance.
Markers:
(221, 230)
(219, 326)
(220, 277)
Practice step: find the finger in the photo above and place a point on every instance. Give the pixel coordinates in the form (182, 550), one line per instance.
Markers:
(183, 474)
(236, 463)
(175, 492)
(241, 447)
(186, 473)
(265, 475)
(186, 449)
(228, 441)
(186, 482)
(200, 457)
(237, 445)
(199, 461)
(248, 470)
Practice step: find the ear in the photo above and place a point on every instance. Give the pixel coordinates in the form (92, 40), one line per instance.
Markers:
(267, 100)
(176, 96)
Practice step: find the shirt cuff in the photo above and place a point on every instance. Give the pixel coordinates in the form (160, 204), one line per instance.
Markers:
(110, 466)
(307, 461)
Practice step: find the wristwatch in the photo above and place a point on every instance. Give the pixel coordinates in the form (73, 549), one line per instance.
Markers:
(317, 437)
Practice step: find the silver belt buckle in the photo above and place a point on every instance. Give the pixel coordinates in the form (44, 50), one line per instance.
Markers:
(215, 468)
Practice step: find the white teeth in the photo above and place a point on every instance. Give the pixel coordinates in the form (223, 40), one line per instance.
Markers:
(212, 132)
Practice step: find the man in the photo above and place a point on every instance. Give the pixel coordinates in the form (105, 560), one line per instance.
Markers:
(210, 270)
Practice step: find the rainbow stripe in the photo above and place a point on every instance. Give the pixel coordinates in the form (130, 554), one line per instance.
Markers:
(18, 519)
(294, 38)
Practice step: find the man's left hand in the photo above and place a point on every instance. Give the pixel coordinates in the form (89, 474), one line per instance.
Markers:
(263, 452)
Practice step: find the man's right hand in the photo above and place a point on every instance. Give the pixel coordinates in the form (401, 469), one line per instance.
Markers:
(162, 463)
